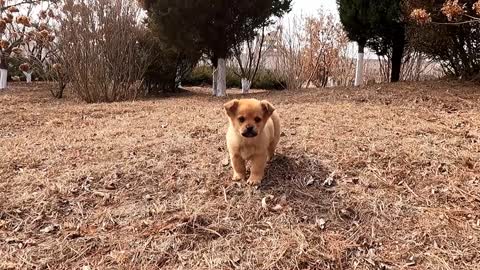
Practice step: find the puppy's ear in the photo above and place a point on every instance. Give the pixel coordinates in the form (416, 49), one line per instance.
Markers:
(231, 107)
(267, 107)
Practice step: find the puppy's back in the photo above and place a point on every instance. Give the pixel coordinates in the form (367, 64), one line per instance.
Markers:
(276, 127)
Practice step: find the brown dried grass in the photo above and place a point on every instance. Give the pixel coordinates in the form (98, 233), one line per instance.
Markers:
(142, 185)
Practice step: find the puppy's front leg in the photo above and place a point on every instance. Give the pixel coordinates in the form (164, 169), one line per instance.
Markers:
(259, 163)
(238, 165)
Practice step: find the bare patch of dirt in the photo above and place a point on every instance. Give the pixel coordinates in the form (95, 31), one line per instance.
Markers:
(383, 177)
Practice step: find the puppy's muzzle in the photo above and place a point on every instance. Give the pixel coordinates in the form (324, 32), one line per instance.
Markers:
(249, 132)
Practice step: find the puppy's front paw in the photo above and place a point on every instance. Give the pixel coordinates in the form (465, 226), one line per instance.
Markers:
(238, 177)
(254, 181)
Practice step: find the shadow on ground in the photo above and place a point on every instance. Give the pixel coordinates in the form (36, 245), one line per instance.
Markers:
(302, 180)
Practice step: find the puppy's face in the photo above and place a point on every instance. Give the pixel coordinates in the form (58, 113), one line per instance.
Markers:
(248, 116)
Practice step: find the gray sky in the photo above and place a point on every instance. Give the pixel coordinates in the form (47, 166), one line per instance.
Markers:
(308, 7)
(311, 7)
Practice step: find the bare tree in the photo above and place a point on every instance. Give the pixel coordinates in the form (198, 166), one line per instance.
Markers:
(249, 56)
(323, 45)
(313, 51)
(344, 68)
(290, 61)
(415, 67)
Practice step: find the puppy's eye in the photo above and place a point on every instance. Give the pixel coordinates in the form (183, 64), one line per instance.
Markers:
(258, 119)
(241, 119)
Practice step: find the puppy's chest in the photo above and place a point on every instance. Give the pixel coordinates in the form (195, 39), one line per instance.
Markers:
(247, 151)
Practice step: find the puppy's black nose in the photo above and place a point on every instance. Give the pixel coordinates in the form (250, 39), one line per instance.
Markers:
(249, 132)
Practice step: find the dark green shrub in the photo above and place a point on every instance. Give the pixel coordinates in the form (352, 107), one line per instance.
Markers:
(233, 81)
(167, 66)
(202, 75)
(14, 70)
(268, 80)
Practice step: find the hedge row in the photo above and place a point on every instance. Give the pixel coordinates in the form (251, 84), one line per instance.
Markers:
(265, 79)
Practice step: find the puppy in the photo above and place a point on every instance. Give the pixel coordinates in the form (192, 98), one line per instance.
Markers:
(253, 134)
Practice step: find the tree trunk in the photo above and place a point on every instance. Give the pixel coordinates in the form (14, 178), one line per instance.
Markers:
(28, 76)
(178, 79)
(214, 60)
(418, 69)
(222, 78)
(57, 92)
(359, 68)
(397, 56)
(3, 78)
(3, 70)
(214, 81)
(246, 84)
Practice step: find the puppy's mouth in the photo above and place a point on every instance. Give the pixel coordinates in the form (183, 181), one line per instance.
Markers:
(249, 134)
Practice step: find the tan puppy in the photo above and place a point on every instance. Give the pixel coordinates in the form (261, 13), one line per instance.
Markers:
(252, 135)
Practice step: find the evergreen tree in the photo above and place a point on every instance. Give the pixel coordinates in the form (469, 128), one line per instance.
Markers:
(388, 28)
(354, 17)
(213, 27)
(377, 24)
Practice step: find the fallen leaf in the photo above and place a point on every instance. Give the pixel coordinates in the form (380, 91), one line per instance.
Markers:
(283, 200)
(370, 261)
(443, 168)
(264, 201)
(202, 191)
(49, 228)
(412, 261)
(226, 161)
(277, 207)
(8, 265)
(320, 222)
(12, 240)
(235, 259)
(310, 181)
(329, 180)
(74, 235)
(471, 135)
(347, 213)
(110, 186)
(106, 196)
(410, 264)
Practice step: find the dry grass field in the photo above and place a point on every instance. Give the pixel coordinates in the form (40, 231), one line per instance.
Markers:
(386, 177)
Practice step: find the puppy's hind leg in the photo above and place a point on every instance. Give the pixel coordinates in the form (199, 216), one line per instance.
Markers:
(271, 152)
(239, 170)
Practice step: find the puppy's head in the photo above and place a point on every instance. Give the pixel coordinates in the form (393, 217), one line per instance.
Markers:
(248, 116)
